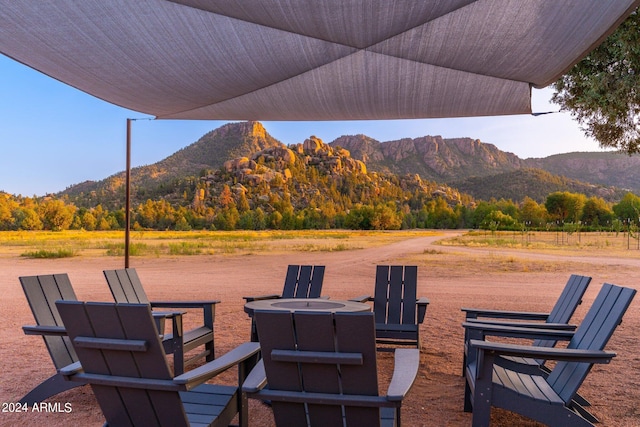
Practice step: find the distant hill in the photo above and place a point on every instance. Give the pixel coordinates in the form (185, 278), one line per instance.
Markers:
(606, 168)
(468, 165)
(533, 183)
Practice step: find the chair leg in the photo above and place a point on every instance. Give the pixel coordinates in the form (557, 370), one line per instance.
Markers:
(483, 389)
(254, 331)
(580, 400)
(468, 404)
(481, 417)
(209, 319)
(178, 358)
(210, 348)
(584, 413)
(50, 387)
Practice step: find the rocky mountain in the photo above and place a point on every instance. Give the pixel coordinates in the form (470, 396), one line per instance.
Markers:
(244, 153)
(454, 160)
(310, 174)
(432, 157)
(209, 153)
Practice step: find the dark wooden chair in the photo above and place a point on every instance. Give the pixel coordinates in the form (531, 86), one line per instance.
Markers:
(123, 359)
(301, 281)
(397, 311)
(548, 399)
(42, 292)
(320, 369)
(558, 318)
(126, 287)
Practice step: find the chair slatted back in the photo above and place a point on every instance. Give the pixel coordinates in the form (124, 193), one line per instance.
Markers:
(394, 300)
(337, 337)
(569, 299)
(303, 281)
(566, 304)
(137, 354)
(42, 292)
(593, 334)
(125, 286)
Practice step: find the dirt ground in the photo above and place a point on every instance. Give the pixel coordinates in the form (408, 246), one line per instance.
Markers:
(450, 277)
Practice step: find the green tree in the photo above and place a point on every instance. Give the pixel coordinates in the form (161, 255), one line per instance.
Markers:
(27, 219)
(242, 203)
(441, 215)
(628, 207)
(360, 218)
(480, 213)
(565, 206)
(498, 220)
(246, 221)
(259, 221)
(532, 213)
(596, 212)
(601, 91)
(274, 220)
(385, 217)
(227, 219)
(182, 224)
(56, 215)
(7, 206)
(88, 221)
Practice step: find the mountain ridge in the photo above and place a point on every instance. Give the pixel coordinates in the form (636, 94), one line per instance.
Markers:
(449, 161)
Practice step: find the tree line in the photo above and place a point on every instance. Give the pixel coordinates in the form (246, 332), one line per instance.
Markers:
(231, 211)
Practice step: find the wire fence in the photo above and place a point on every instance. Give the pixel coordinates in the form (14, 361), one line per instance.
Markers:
(628, 240)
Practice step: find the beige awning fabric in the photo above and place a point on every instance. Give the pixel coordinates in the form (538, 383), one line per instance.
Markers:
(308, 59)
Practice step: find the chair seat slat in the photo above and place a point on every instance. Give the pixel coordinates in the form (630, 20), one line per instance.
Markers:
(316, 357)
(111, 344)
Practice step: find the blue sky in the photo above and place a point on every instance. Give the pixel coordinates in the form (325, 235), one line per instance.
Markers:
(53, 136)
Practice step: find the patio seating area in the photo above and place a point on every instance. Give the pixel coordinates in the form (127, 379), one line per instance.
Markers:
(324, 61)
(430, 388)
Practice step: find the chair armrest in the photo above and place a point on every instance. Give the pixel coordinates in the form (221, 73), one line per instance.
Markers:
(70, 370)
(256, 380)
(208, 310)
(405, 370)
(422, 304)
(547, 353)
(519, 324)
(474, 313)
(209, 370)
(166, 314)
(362, 298)
(480, 330)
(183, 304)
(59, 331)
(261, 297)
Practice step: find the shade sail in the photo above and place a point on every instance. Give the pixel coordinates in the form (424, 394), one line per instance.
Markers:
(308, 59)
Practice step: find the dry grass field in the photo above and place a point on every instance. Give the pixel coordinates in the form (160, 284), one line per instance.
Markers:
(505, 271)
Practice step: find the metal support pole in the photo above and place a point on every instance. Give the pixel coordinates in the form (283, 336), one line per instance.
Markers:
(127, 204)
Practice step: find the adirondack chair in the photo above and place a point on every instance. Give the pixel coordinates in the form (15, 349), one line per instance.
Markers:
(122, 358)
(42, 292)
(320, 369)
(547, 399)
(558, 318)
(397, 311)
(301, 281)
(562, 311)
(126, 287)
